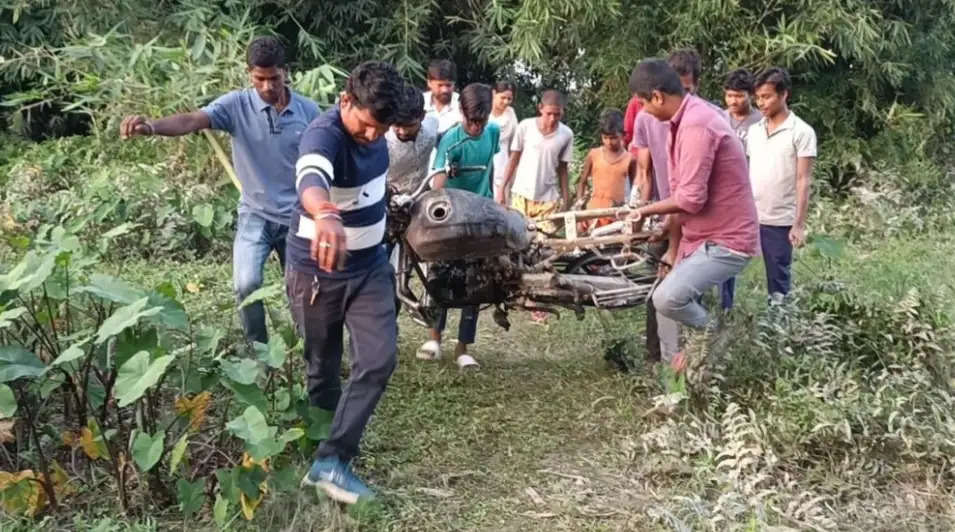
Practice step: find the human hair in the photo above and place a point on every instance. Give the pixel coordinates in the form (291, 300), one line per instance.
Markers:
(553, 97)
(265, 52)
(611, 122)
(475, 101)
(411, 108)
(377, 87)
(686, 62)
(654, 75)
(777, 77)
(443, 70)
(739, 80)
(504, 86)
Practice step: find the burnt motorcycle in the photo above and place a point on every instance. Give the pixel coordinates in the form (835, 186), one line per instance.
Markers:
(453, 248)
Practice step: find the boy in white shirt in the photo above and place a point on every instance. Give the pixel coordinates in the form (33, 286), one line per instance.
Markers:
(537, 179)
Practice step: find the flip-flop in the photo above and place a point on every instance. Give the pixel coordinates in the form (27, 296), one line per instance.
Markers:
(467, 362)
(430, 350)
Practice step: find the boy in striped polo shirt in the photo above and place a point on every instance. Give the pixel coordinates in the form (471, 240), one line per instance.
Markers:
(338, 274)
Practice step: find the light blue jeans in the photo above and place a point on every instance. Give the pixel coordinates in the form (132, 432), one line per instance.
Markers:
(678, 296)
(255, 239)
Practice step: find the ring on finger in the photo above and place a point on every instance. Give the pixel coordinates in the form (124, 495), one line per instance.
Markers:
(324, 244)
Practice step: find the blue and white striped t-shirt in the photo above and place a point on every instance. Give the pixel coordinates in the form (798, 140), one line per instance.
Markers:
(355, 176)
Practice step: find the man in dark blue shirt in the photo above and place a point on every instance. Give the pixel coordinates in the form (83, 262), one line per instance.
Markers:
(338, 274)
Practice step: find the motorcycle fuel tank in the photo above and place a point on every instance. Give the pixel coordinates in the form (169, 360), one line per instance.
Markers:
(452, 224)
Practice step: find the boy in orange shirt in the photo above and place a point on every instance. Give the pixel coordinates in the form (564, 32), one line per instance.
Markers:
(610, 166)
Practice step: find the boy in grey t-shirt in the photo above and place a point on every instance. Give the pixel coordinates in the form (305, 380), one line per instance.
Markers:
(737, 93)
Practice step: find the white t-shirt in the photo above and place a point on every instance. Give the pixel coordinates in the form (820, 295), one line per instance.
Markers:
(446, 117)
(507, 122)
(536, 175)
(772, 167)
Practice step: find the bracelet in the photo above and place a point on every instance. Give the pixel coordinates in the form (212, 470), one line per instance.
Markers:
(152, 130)
(327, 215)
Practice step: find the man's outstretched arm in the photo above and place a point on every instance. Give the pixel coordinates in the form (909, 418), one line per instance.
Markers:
(169, 126)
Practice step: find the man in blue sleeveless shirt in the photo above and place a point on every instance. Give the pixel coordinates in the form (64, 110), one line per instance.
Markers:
(338, 274)
(266, 123)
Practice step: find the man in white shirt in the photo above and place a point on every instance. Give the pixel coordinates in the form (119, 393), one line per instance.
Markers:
(781, 149)
(411, 140)
(441, 101)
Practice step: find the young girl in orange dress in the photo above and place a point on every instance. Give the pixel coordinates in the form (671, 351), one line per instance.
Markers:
(607, 169)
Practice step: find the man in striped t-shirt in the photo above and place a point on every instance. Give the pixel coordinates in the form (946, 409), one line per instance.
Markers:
(338, 274)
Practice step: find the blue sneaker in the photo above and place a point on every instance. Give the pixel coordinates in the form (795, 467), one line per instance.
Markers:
(337, 480)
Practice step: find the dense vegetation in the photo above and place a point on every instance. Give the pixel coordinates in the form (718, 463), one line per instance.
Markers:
(123, 391)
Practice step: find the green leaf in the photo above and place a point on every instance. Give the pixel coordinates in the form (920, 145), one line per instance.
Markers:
(171, 314)
(203, 214)
(291, 435)
(229, 483)
(7, 317)
(148, 449)
(112, 289)
(285, 480)
(273, 354)
(72, 353)
(319, 423)
(251, 426)
(16, 362)
(125, 317)
(247, 394)
(208, 339)
(8, 401)
(249, 480)
(119, 230)
(243, 371)
(178, 452)
(29, 273)
(220, 512)
(137, 375)
(830, 248)
(132, 341)
(191, 495)
(272, 290)
(50, 384)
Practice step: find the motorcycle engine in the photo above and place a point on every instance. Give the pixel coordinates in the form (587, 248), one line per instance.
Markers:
(452, 224)
(477, 282)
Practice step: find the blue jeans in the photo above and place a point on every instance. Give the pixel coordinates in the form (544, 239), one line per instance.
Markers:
(677, 297)
(467, 327)
(255, 239)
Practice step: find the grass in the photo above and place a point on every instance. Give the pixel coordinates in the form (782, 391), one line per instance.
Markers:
(548, 436)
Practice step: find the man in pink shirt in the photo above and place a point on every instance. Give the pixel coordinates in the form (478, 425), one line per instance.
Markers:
(712, 221)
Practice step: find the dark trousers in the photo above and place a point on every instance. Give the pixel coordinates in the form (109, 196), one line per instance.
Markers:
(365, 305)
(777, 256)
(467, 328)
(727, 293)
(657, 250)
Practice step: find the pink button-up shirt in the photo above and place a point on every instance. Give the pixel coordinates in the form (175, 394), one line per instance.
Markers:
(709, 181)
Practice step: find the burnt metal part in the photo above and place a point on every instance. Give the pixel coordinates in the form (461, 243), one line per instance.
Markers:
(451, 224)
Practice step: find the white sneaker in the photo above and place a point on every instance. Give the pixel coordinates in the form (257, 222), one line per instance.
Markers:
(467, 362)
(430, 350)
